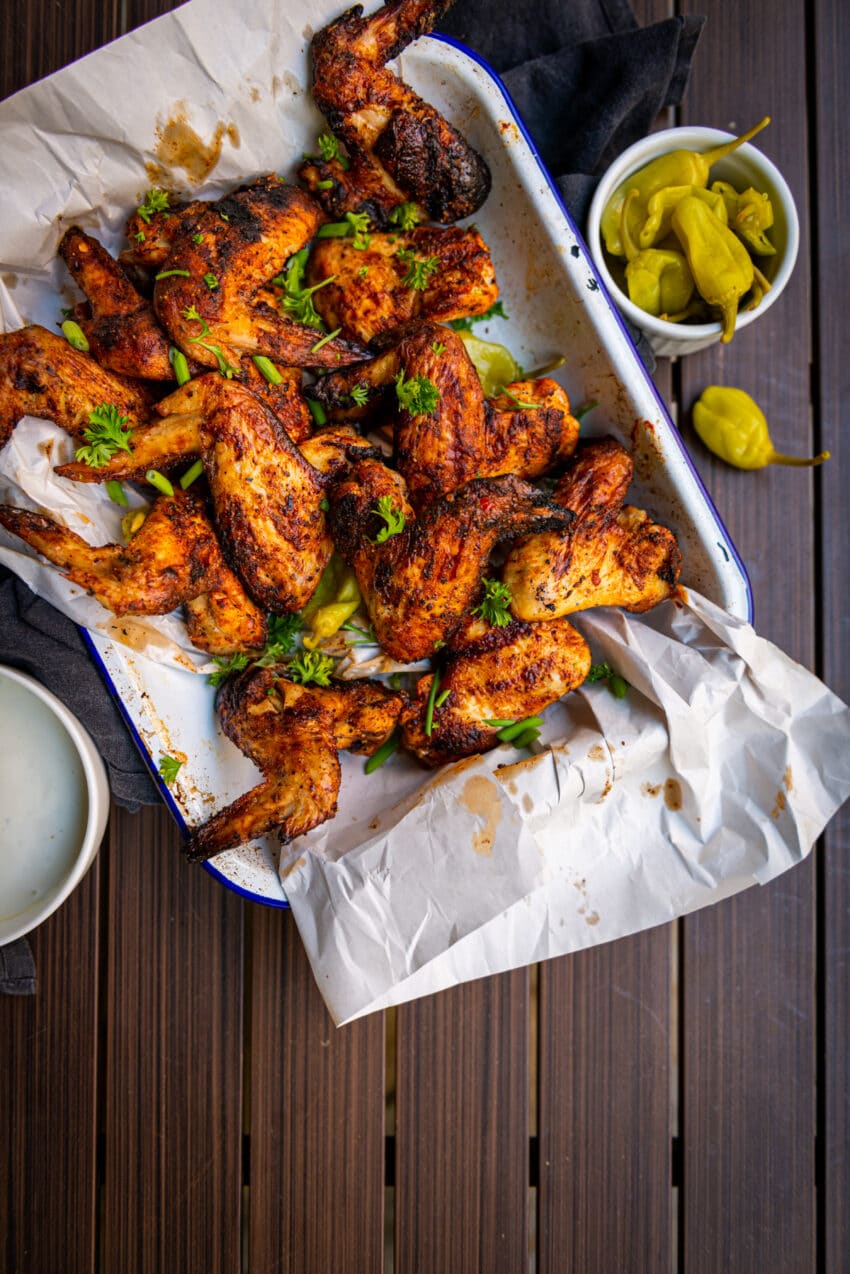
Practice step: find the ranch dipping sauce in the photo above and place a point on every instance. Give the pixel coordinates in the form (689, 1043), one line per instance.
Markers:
(43, 800)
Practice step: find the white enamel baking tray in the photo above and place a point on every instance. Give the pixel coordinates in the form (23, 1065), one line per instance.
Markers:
(556, 306)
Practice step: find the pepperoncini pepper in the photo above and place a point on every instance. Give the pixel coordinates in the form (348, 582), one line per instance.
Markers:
(733, 426)
(678, 168)
(720, 264)
(659, 280)
(335, 600)
(660, 211)
(749, 214)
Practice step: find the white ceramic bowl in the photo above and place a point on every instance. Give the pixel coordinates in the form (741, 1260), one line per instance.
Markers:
(743, 168)
(54, 803)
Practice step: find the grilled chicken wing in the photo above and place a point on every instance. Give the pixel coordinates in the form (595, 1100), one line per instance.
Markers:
(220, 260)
(173, 558)
(611, 556)
(225, 620)
(293, 734)
(465, 436)
(119, 323)
(455, 264)
(150, 237)
(418, 583)
(507, 673)
(41, 375)
(418, 154)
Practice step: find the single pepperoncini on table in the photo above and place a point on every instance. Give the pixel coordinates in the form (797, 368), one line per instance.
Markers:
(733, 426)
(678, 168)
(659, 280)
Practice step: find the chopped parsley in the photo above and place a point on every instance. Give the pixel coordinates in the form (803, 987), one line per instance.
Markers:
(282, 631)
(604, 672)
(211, 281)
(494, 606)
(105, 433)
(438, 348)
(155, 200)
(311, 666)
(297, 301)
(419, 270)
(405, 216)
(359, 395)
(496, 310)
(169, 767)
(419, 395)
(329, 150)
(228, 665)
(393, 517)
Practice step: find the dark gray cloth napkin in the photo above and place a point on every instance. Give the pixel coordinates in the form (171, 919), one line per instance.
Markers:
(588, 81)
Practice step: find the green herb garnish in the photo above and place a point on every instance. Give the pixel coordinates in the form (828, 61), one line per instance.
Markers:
(405, 216)
(105, 433)
(394, 518)
(419, 395)
(228, 665)
(604, 672)
(179, 362)
(419, 270)
(155, 200)
(359, 395)
(75, 336)
(383, 754)
(116, 492)
(192, 474)
(166, 274)
(311, 666)
(494, 606)
(282, 631)
(329, 150)
(227, 369)
(160, 482)
(496, 310)
(169, 768)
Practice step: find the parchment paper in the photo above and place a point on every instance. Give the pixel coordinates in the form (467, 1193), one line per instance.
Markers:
(717, 771)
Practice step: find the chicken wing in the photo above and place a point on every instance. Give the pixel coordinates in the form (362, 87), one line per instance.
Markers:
(151, 236)
(119, 323)
(225, 620)
(507, 673)
(611, 556)
(372, 291)
(293, 734)
(210, 296)
(41, 375)
(173, 558)
(384, 122)
(464, 436)
(419, 581)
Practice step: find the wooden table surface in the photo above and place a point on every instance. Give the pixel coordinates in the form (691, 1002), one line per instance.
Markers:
(175, 1098)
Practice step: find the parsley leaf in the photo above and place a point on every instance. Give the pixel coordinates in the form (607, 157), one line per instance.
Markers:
(419, 395)
(359, 395)
(359, 223)
(393, 517)
(329, 150)
(419, 270)
(604, 672)
(228, 665)
(496, 310)
(105, 433)
(405, 216)
(311, 665)
(155, 200)
(598, 672)
(283, 629)
(438, 348)
(169, 768)
(495, 604)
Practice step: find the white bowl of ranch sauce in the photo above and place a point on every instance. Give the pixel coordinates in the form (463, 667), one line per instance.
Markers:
(54, 803)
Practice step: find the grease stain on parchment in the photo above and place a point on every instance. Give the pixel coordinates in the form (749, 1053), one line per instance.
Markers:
(779, 805)
(179, 145)
(651, 789)
(673, 794)
(480, 796)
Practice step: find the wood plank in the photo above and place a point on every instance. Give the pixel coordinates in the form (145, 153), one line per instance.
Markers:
(316, 1118)
(38, 37)
(461, 1179)
(48, 1086)
(749, 1013)
(832, 368)
(173, 1095)
(604, 1092)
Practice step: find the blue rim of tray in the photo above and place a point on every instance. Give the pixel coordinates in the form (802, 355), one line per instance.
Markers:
(725, 539)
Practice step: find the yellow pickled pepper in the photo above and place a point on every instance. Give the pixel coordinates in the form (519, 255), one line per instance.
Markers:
(659, 280)
(733, 426)
(749, 214)
(677, 168)
(722, 268)
(660, 211)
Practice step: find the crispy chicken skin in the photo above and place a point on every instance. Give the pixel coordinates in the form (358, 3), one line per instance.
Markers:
(150, 241)
(266, 497)
(370, 307)
(225, 620)
(173, 558)
(379, 117)
(418, 583)
(293, 734)
(41, 375)
(466, 436)
(507, 673)
(611, 556)
(118, 322)
(223, 256)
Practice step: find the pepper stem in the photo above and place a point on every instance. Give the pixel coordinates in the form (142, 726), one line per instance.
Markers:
(719, 152)
(776, 457)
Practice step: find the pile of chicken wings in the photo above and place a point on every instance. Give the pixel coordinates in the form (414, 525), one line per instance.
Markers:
(288, 345)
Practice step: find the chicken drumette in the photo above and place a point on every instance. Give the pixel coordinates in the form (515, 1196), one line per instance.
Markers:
(293, 733)
(418, 581)
(611, 556)
(403, 149)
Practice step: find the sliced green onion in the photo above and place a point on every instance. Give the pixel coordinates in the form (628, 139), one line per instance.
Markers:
(324, 185)
(159, 480)
(314, 349)
(429, 707)
(384, 752)
(441, 699)
(511, 732)
(582, 411)
(527, 737)
(325, 504)
(115, 491)
(75, 336)
(618, 686)
(333, 230)
(317, 411)
(546, 368)
(499, 723)
(180, 363)
(166, 274)
(191, 475)
(268, 369)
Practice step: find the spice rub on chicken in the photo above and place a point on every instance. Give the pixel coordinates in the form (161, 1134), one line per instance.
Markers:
(409, 151)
